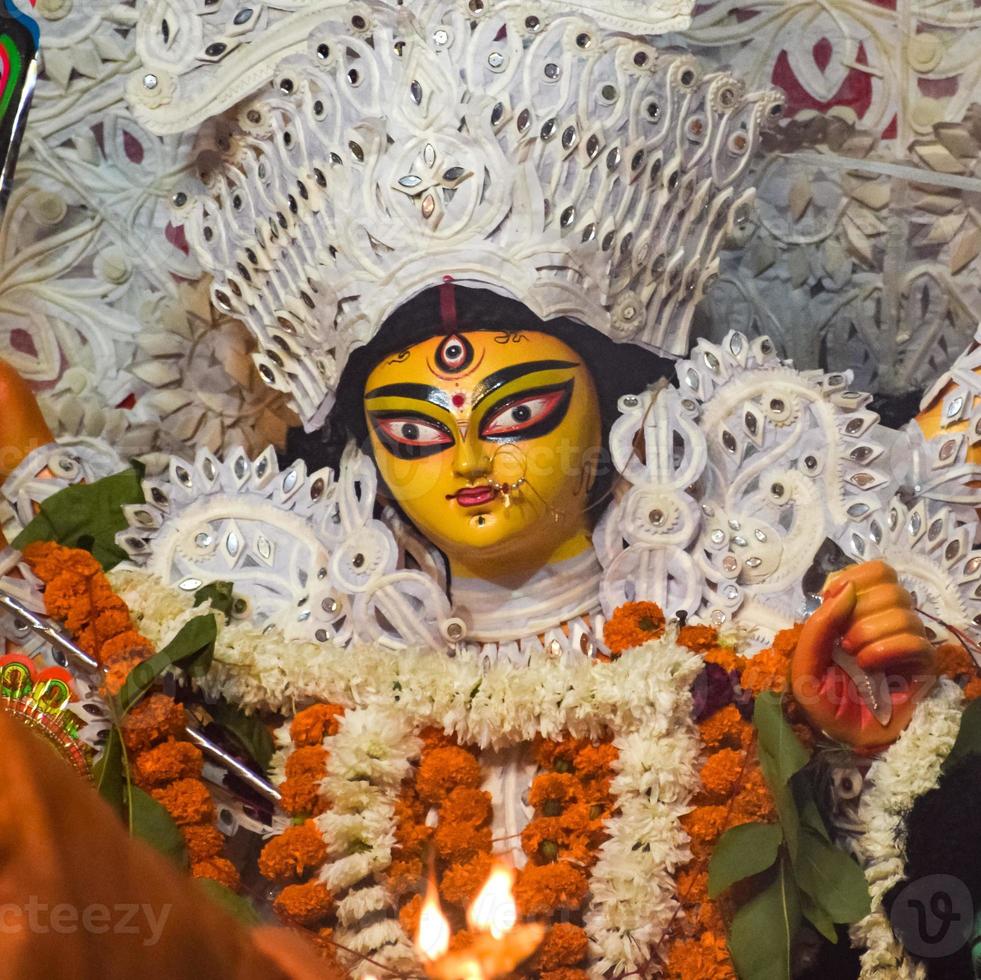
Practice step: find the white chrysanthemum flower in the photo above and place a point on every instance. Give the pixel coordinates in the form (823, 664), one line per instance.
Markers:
(360, 902)
(909, 768)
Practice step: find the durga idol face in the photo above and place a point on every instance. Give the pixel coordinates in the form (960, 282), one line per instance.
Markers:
(489, 441)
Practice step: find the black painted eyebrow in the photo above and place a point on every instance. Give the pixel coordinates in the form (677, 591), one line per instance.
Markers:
(492, 382)
(425, 393)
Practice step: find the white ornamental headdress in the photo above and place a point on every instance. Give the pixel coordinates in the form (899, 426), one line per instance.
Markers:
(357, 154)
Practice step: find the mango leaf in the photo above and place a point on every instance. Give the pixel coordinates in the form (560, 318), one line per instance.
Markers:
(777, 738)
(238, 907)
(832, 878)
(247, 730)
(968, 736)
(762, 936)
(150, 821)
(742, 851)
(108, 772)
(781, 756)
(220, 594)
(818, 918)
(87, 515)
(192, 648)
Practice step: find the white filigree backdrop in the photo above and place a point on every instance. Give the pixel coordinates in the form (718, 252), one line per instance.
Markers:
(864, 252)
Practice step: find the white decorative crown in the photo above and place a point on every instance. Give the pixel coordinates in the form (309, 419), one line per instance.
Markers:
(539, 154)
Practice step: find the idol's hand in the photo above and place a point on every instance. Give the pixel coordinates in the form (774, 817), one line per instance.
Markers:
(863, 659)
(22, 426)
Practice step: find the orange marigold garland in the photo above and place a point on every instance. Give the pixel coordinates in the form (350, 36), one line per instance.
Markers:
(733, 790)
(293, 858)
(79, 594)
(443, 822)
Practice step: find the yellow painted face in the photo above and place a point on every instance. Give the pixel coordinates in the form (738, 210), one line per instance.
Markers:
(489, 442)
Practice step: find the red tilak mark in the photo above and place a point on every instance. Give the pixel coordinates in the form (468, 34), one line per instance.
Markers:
(459, 400)
(447, 304)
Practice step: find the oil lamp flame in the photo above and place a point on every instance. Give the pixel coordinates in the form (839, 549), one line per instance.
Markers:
(433, 937)
(493, 909)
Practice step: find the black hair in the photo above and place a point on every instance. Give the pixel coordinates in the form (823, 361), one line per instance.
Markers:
(942, 839)
(617, 369)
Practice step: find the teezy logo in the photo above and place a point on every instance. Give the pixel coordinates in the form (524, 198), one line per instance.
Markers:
(933, 916)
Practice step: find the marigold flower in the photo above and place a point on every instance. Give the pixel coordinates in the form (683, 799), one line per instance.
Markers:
(543, 889)
(405, 874)
(953, 661)
(166, 762)
(297, 850)
(555, 791)
(564, 945)
(693, 884)
(203, 840)
(152, 720)
(308, 761)
(704, 958)
(466, 805)
(409, 915)
(118, 673)
(973, 689)
(769, 670)
(125, 646)
(312, 725)
(186, 800)
(462, 881)
(721, 774)
(560, 756)
(112, 619)
(753, 801)
(725, 658)
(461, 841)
(217, 869)
(631, 625)
(565, 974)
(705, 823)
(300, 796)
(304, 905)
(726, 728)
(436, 738)
(595, 761)
(442, 770)
(411, 836)
(698, 639)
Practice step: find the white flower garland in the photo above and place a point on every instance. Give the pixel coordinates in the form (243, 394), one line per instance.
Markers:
(644, 697)
(909, 768)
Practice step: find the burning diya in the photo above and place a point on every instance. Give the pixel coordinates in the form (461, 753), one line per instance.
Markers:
(500, 943)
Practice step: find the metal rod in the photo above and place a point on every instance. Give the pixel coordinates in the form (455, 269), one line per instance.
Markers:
(53, 636)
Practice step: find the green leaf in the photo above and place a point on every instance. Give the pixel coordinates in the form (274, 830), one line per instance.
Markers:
(781, 756)
(237, 906)
(87, 515)
(832, 878)
(818, 918)
(777, 738)
(742, 851)
(220, 594)
(192, 648)
(247, 730)
(968, 739)
(151, 822)
(108, 772)
(762, 936)
(807, 808)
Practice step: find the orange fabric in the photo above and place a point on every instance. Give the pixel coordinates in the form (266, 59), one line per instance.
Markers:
(24, 428)
(79, 898)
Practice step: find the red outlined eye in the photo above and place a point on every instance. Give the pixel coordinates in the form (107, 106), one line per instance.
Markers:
(528, 415)
(409, 436)
(413, 432)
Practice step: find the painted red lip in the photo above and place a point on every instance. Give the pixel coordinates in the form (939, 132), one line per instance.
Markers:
(473, 496)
